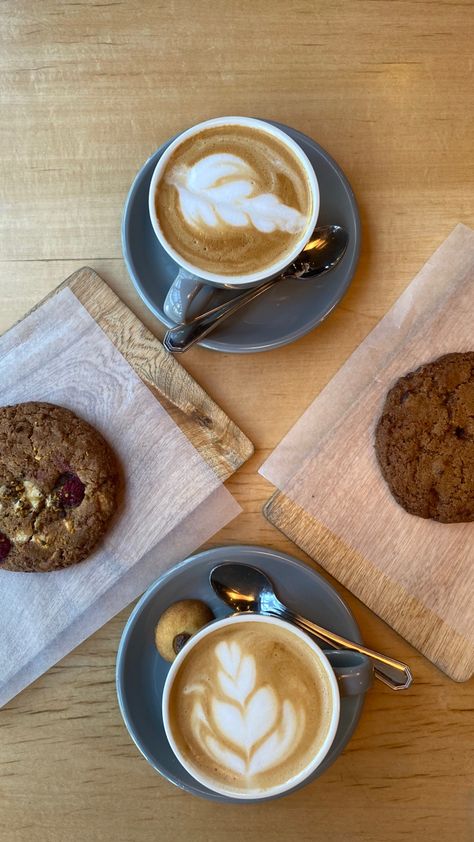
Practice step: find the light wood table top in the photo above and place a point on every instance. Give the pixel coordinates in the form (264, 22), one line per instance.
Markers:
(88, 91)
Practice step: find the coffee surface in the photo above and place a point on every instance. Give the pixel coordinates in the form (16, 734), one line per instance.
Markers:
(250, 707)
(233, 200)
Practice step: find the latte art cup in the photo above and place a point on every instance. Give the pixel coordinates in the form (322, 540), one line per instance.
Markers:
(322, 666)
(184, 290)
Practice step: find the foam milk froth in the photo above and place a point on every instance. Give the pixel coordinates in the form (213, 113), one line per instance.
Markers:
(250, 707)
(233, 200)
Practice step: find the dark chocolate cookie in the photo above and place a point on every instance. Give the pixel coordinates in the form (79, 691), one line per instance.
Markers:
(58, 487)
(425, 439)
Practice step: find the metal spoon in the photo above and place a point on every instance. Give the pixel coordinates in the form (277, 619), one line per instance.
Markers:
(246, 588)
(324, 251)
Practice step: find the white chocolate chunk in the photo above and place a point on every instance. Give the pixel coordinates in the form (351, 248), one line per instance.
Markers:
(32, 493)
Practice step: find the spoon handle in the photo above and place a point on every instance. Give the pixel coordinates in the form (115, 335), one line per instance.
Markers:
(178, 339)
(393, 673)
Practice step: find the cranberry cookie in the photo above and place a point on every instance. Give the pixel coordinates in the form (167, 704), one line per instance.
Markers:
(58, 487)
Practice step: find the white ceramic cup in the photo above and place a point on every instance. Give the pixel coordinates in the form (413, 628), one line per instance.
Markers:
(190, 279)
(318, 654)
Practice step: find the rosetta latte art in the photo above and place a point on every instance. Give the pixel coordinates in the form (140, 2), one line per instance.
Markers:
(244, 727)
(234, 200)
(222, 190)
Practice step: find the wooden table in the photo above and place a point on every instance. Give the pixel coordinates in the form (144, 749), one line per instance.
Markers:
(88, 91)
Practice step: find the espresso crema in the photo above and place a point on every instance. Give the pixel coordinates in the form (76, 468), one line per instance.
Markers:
(233, 200)
(250, 707)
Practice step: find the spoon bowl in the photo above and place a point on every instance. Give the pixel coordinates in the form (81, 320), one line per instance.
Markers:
(244, 588)
(323, 252)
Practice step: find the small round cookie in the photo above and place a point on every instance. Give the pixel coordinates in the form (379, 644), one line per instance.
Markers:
(424, 439)
(58, 487)
(178, 623)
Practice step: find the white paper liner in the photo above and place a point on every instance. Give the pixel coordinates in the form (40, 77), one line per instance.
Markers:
(173, 500)
(326, 463)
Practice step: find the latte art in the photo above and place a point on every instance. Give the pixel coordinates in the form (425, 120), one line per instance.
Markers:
(222, 190)
(250, 707)
(233, 199)
(262, 729)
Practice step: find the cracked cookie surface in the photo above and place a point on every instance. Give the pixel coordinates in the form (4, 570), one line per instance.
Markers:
(424, 439)
(58, 487)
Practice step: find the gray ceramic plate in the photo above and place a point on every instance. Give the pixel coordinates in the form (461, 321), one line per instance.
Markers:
(285, 313)
(141, 672)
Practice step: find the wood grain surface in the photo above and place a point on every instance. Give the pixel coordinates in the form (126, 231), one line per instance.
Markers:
(436, 638)
(88, 90)
(219, 441)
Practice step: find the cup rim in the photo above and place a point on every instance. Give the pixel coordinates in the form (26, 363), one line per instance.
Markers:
(320, 754)
(252, 277)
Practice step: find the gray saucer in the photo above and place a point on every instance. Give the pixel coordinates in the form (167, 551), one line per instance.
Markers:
(285, 313)
(141, 672)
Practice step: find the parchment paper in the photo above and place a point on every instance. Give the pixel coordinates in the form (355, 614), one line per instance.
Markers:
(327, 465)
(173, 501)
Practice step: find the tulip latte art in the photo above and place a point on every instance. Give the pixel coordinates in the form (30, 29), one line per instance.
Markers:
(250, 707)
(233, 199)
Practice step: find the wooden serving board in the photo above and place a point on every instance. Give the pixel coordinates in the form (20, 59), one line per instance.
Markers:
(415, 573)
(219, 441)
(451, 652)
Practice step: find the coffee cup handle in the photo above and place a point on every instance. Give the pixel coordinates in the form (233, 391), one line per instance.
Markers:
(354, 671)
(181, 295)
